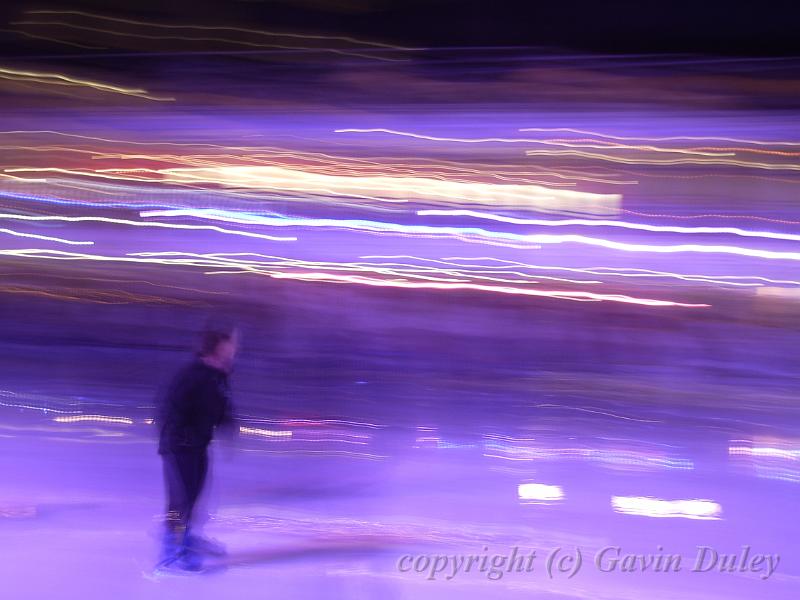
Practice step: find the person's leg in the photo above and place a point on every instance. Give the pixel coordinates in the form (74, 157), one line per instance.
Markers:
(195, 541)
(196, 470)
(178, 504)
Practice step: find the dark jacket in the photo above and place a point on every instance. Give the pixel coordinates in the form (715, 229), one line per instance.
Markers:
(195, 404)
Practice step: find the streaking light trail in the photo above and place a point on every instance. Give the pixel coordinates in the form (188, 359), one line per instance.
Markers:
(607, 223)
(477, 233)
(705, 510)
(60, 79)
(564, 295)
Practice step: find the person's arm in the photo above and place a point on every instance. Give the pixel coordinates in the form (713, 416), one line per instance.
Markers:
(228, 426)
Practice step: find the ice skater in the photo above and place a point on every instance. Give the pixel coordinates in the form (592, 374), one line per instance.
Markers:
(195, 406)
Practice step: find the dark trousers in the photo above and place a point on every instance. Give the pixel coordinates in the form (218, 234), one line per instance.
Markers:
(184, 476)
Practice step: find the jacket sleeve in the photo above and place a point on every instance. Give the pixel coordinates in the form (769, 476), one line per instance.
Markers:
(228, 425)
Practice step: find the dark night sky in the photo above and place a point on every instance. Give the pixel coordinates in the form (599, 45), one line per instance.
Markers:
(618, 26)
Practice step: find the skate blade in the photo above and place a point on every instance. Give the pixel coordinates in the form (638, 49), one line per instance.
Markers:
(167, 571)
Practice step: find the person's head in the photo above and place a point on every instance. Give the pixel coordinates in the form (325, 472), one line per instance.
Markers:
(218, 348)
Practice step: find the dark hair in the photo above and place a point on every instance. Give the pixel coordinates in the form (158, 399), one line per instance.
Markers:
(211, 339)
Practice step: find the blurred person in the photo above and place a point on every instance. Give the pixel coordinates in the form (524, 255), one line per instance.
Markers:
(195, 406)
